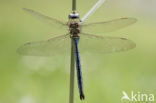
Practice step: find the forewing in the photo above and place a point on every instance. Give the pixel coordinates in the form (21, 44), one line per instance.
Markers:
(98, 44)
(108, 26)
(49, 20)
(48, 47)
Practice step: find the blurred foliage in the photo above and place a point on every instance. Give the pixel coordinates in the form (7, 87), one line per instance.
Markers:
(46, 80)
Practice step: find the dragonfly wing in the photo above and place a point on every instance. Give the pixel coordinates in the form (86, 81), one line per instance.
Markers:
(108, 26)
(48, 47)
(99, 44)
(49, 20)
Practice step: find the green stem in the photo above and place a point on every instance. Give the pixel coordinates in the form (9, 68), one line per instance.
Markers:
(72, 72)
(72, 65)
(73, 5)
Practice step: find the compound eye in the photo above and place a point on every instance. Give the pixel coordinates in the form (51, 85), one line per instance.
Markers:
(73, 16)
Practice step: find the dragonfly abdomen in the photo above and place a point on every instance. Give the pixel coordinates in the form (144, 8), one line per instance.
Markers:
(78, 68)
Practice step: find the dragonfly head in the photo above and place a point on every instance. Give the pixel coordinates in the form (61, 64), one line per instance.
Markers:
(73, 15)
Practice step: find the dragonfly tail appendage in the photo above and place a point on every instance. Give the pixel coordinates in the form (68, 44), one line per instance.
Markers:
(82, 96)
(78, 66)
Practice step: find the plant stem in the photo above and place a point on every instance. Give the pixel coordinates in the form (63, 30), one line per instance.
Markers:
(72, 65)
(73, 5)
(72, 72)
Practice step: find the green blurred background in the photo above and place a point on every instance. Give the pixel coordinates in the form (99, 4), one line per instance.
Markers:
(46, 80)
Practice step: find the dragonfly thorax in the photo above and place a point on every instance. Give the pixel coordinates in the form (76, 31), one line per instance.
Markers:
(74, 26)
(74, 29)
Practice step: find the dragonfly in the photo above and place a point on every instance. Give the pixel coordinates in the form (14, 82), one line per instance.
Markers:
(82, 34)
